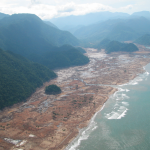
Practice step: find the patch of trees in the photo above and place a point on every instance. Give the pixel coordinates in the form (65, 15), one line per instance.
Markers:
(115, 46)
(19, 78)
(52, 89)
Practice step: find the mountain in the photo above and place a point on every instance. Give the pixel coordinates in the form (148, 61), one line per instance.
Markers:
(84, 20)
(145, 14)
(72, 29)
(3, 15)
(144, 40)
(102, 44)
(19, 78)
(51, 24)
(64, 56)
(26, 33)
(29, 36)
(115, 46)
(115, 29)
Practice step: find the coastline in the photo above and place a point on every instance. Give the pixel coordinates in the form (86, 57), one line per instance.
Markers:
(55, 121)
(98, 110)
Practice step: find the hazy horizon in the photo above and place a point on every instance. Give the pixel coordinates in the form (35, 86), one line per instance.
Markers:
(46, 9)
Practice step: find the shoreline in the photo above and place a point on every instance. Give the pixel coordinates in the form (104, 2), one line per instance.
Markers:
(83, 129)
(98, 110)
(54, 120)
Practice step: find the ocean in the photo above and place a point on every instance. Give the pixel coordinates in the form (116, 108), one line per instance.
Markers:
(124, 121)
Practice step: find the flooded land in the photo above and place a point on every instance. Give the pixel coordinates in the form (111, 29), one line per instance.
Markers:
(50, 122)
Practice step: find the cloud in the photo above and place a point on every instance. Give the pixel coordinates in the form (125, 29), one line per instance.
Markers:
(70, 7)
(47, 9)
(128, 7)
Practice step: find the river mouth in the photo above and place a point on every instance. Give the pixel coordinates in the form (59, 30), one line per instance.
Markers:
(54, 120)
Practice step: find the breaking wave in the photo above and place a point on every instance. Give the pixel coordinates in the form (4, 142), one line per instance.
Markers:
(119, 110)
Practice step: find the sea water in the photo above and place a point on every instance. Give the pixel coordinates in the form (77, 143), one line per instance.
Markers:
(124, 121)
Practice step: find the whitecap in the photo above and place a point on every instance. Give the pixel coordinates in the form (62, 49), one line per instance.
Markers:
(121, 97)
(114, 115)
(125, 103)
(123, 114)
(84, 133)
(138, 79)
(118, 114)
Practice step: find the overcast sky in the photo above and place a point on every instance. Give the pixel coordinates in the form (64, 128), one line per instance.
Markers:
(47, 9)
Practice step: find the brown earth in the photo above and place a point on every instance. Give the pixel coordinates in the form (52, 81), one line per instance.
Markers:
(50, 122)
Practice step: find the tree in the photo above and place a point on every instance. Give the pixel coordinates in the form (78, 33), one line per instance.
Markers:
(52, 89)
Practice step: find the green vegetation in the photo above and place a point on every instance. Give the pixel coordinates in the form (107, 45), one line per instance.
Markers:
(81, 49)
(29, 36)
(64, 56)
(144, 40)
(19, 78)
(26, 33)
(102, 44)
(52, 89)
(3, 15)
(51, 24)
(115, 46)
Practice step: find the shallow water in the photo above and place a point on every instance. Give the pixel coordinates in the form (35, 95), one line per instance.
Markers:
(124, 121)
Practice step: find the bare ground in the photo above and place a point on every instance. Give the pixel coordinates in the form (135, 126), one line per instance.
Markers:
(50, 122)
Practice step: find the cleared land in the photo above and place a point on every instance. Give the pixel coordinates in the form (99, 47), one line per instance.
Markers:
(50, 122)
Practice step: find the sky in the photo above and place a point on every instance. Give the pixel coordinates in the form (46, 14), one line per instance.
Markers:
(47, 9)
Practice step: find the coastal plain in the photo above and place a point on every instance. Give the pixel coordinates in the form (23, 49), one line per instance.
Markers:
(51, 122)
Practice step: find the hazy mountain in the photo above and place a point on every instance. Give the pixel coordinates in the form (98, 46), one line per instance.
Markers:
(3, 15)
(29, 36)
(51, 24)
(91, 18)
(72, 29)
(102, 44)
(75, 24)
(144, 40)
(115, 29)
(19, 78)
(26, 33)
(115, 46)
(145, 14)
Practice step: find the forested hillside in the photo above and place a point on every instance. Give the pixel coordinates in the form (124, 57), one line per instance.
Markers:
(2, 15)
(60, 57)
(144, 40)
(26, 33)
(29, 36)
(116, 46)
(19, 78)
(51, 24)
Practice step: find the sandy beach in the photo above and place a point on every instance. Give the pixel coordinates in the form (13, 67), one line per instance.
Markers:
(51, 122)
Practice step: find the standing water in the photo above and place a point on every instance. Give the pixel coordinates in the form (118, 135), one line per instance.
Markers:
(123, 123)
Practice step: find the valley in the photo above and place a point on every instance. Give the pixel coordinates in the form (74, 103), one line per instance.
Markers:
(50, 122)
